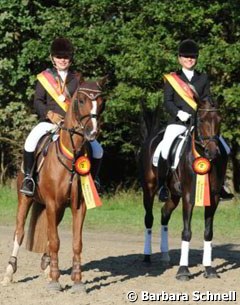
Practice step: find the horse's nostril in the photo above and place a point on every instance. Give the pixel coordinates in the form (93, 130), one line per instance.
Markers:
(90, 134)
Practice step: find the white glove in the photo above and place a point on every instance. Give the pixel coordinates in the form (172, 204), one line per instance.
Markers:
(183, 116)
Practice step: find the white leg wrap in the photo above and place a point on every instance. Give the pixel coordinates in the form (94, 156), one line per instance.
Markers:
(164, 239)
(207, 254)
(148, 242)
(15, 247)
(184, 253)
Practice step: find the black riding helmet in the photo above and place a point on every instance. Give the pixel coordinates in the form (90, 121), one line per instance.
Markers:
(62, 48)
(188, 48)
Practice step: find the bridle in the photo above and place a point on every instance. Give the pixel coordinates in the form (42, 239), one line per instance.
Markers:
(201, 140)
(78, 130)
(92, 94)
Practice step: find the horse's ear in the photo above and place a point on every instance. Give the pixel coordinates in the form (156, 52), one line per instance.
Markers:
(80, 77)
(103, 81)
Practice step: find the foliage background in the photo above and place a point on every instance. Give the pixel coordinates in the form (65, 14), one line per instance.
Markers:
(135, 42)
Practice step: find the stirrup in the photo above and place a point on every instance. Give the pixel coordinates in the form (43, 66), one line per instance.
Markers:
(28, 186)
(163, 193)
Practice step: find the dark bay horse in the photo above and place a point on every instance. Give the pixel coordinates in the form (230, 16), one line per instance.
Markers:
(206, 126)
(58, 187)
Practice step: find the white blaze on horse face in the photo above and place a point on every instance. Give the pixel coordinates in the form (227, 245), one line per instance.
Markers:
(94, 113)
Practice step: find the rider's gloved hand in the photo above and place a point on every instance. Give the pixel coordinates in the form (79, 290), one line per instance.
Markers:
(54, 117)
(183, 116)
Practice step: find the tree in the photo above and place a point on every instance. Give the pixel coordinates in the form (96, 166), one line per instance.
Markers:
(133, 41)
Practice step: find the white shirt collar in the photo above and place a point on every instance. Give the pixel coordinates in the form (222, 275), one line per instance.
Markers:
(63, 74)
(188, 73)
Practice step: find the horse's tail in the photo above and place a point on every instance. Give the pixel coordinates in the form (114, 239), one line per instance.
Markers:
(37, 239)
(151, 121)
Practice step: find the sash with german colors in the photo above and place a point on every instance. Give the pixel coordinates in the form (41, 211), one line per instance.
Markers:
(50, 84)
(182, 89)
(82, 167)
(201, 187)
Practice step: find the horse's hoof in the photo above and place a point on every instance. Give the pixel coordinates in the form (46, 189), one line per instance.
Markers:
(78, 288)
(147, 259)
(165, 258)
(54, 286)
(6, 281)
(183, 274)
(210, 273)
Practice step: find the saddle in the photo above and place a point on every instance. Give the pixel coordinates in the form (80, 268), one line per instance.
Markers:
(43, 147)
(176, 150)
(41, 151)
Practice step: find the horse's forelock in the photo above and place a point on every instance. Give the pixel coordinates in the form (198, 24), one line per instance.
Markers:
(208, 103)
(91, 85)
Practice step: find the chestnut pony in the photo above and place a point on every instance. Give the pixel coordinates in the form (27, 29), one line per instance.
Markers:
(58, 187)
(180, 183)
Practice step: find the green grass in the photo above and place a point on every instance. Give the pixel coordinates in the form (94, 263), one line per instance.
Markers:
(8, 205)
(124, 213)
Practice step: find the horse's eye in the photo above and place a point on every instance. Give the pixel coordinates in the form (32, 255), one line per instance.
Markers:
(81, 102)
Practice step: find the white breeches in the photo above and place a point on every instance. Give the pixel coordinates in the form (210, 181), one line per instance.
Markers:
(43, 127)
(36, 133)
(171, 132)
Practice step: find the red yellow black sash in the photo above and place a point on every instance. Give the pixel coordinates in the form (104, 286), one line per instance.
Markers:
(182, 89)
(50, 84)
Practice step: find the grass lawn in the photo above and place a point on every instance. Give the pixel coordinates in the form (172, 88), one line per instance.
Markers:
(124, 213)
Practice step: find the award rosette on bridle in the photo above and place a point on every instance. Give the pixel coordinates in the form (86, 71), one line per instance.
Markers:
(201, 191)
(90, 194)
(82, 165)
(201, 165)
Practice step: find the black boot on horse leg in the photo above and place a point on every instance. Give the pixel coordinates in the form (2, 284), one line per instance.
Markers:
(162, 176)
(28, 185)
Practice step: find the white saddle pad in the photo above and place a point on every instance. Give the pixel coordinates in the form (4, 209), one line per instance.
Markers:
(177, 154)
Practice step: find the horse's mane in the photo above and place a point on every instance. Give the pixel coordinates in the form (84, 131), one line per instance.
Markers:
(150, 121)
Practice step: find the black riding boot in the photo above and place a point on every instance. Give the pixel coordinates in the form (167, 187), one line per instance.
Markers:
(28, 185)
(224, 195)
(162, 175)
(95, 168)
